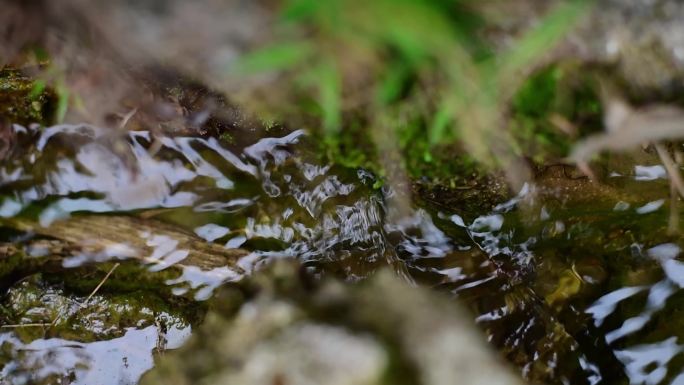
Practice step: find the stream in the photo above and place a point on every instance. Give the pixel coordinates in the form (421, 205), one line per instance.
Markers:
(572, 282)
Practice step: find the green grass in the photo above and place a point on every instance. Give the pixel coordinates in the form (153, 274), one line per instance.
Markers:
(412, 77)
(348, 67)
(567, 91)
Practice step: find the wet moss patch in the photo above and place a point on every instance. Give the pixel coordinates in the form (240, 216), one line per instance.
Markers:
(24, 100)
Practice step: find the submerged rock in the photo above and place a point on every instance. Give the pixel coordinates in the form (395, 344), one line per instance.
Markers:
(280, 328)
(74, 316)
(53, 335)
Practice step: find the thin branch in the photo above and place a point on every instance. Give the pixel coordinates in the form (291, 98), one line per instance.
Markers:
(126, 118)
(84, 304)
(673, 221)
(671, 167)
(673, 225)
(15, 326)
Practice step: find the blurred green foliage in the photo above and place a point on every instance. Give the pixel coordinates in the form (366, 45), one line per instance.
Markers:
(552, 108)
(416, 67)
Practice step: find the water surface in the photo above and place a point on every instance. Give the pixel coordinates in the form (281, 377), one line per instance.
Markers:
(573, 283)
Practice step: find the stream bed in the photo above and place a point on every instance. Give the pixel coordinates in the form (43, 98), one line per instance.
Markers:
(572, 281)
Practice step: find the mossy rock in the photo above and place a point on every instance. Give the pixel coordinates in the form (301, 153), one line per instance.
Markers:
(78, 317)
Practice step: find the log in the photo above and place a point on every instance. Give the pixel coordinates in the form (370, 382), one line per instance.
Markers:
(99, 238)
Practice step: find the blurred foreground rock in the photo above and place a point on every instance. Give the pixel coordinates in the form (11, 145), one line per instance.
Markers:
(280, 328)
(643, 41)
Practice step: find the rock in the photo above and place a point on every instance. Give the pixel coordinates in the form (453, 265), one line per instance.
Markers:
(278, 328)
(643, 40)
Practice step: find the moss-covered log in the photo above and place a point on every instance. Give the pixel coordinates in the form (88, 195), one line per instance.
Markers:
(99, 238)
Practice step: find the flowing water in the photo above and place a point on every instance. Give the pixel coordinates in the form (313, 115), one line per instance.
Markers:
(573, 283)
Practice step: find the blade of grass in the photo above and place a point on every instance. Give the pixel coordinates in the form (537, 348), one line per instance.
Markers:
(534, 44)
(276, 57)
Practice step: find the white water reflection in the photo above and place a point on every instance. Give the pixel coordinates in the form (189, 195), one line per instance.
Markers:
(650, 207)
(657, 296)
(679, 380)
(211, 232)
(298, 209)
(117, 361)
(646, 173)
(486, 232)
(274, 203)
(620, 317)
(128, 179)
(606, 305)
(664, 252)
(647, 364)
(202, 282)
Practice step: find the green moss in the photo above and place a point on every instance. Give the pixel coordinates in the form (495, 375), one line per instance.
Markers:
(25, 101)
(566, 91)
(128, 277)
(561, 94)
(9, 263)
(74, 316)
(353, 148)
(536, 96)
(552, 108)
(227, 138)
(359, 144)
(441, 163)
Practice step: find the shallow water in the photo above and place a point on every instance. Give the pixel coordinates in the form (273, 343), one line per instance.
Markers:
(573, 285)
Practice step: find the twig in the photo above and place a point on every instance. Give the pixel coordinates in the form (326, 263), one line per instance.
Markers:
(673, 224)
(673, 221)
(671, 167)
(563, 125)
(24, 325)
(100, 284)
(676, 185)
(586, 170)
(154, 147)
(126, 118)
